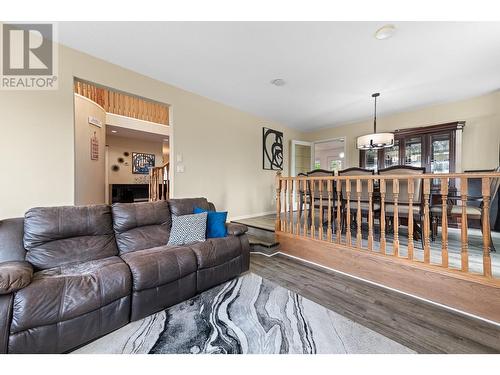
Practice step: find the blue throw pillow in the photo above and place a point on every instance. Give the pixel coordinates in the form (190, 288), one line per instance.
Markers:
(216, 223)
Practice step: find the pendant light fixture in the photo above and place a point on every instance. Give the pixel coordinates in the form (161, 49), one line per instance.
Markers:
(375, 140)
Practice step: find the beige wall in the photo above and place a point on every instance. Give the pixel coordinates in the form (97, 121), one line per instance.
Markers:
(89, 174)
(117, 146)
(221, 146)
(481, 135)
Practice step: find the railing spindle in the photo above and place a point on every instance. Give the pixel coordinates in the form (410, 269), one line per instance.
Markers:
(411, 192)
(464, 253)
(277, 223)
(359, 236)
(444, 222)
(313, 214)
(370, 215)
(305, 207)
(486, 226)
(284, 223)
(395, 192)
(427, 221)
(383, 242)
(348, 212)
(297, 201)
(339, 205)
(320, 231)
(290, 204)
(329, 228)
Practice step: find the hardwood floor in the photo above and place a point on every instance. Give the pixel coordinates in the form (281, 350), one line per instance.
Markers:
(420, 325)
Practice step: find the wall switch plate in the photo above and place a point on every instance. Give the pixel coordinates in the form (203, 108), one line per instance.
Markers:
(180, 168)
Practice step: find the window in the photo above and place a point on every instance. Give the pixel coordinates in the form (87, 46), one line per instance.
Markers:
(317, 164)
(432, 147)
(335, 165)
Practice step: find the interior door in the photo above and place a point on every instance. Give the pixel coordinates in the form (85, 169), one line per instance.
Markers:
(302, 162)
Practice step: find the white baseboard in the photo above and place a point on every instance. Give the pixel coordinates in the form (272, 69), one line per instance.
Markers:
(251, 216)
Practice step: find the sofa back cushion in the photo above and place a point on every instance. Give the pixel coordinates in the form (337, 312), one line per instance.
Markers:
(185, 206)
(54, 236)
(11, 240)
(140, 226)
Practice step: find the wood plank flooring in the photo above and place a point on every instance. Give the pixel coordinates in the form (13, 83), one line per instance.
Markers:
(420, 325)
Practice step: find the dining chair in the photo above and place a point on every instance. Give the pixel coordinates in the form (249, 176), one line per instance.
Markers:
(353, 200)
(403, 197)
(313, 189)
(474, 212)
(302, 202)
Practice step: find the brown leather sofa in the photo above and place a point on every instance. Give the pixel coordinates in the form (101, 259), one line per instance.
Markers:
(69, 275)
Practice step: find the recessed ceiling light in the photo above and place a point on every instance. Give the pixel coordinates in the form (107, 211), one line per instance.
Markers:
(278, 82)
(114, 131)
(385, 32)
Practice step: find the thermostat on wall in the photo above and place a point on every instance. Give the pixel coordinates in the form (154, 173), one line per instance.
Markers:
(95, 121)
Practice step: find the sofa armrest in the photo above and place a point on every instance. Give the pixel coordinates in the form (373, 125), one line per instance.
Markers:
(234, 229)
(14, 276)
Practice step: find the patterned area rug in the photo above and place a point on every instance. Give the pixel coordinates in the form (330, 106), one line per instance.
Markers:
(248, 315)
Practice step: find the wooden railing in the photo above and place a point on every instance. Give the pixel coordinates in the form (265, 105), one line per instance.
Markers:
(159, 183)
(380, 228)
(303, 203)
(124, 104)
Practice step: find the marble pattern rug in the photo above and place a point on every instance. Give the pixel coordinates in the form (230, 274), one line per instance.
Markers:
(248, 315)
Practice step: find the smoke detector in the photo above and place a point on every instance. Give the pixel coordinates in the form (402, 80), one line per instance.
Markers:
(278, 82)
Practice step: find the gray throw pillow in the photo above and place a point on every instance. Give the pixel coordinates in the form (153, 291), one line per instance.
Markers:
(188, 229)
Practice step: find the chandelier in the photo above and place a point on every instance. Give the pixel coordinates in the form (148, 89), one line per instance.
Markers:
(375, 140)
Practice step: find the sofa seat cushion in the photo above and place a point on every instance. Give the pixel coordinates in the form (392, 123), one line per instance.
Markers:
(65, 292)
(159, 265)
(216, 251)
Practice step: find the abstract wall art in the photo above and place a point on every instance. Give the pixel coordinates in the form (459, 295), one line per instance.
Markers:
(272, 150)
(141, 162)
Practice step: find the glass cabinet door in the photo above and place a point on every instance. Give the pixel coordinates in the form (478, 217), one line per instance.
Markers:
(413, 151)
(371, 159)
(391, 155)
(440, 153)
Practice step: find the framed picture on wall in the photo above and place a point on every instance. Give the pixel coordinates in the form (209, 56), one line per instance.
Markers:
(272, 149)
(141, 162)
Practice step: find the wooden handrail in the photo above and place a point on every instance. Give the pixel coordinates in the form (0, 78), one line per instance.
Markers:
(159, 188)
(340, 198)
(397, 176)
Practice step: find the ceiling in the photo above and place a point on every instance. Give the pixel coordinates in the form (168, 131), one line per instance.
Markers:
(119, 131)
(330, 68)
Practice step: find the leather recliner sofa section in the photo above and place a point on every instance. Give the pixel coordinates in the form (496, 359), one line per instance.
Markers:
(69, 275)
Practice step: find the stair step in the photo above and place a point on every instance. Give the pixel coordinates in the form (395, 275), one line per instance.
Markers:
(256, 240)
